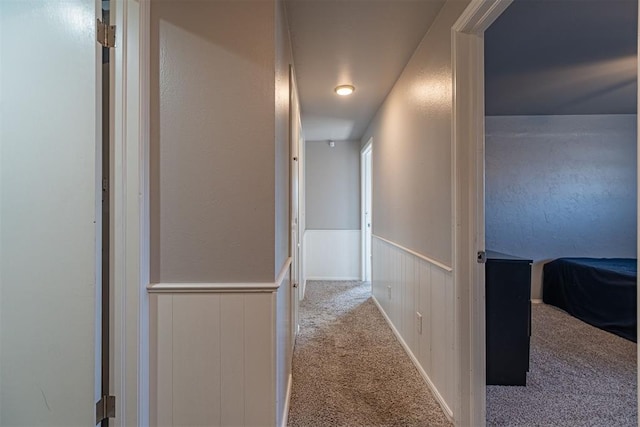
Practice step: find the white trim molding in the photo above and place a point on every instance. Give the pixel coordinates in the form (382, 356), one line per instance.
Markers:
(130, 121)
(287, 402)
(479, 15)
(416, 363)
(416, 254)
(467, 53)
(202, 288)
(368, 148)
(163, 288)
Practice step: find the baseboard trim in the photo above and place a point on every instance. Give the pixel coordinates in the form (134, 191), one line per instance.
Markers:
(432, 387)
(536, 301)
(285, 416)
(335, 279)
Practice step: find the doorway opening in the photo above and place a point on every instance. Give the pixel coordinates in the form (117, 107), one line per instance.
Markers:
(295, 138)
(366, 205)
(560, 193)
(105, 407)
(469, 145)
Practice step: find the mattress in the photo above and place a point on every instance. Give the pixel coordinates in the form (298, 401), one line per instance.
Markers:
(599, 291)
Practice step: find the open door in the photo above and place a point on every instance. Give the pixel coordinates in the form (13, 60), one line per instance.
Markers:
(367, 207)
(50, 213)
(294, 138)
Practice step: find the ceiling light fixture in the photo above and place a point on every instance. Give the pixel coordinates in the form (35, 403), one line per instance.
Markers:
(344, 90)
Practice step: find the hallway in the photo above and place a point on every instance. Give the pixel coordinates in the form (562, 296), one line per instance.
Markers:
(348, 367)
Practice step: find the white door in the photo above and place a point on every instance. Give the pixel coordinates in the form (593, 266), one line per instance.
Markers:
(295, 202)
(367, 217)
(295, 238)
(301, 214)
(49, 212)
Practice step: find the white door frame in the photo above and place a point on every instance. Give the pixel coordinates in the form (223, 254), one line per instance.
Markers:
(295, 127)
(368, 148)
(130, 186)
(302, 206)
(468, 203)
(467, 36)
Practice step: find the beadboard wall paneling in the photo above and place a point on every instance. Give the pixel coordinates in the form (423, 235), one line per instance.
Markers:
(332, 254)
(406, 285)
(215, 359)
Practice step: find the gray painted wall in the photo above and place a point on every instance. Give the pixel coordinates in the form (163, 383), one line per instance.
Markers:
(220, 184)
(213, 155)
(412, 148)
(283, 58)
(332, 185)
(561, 186)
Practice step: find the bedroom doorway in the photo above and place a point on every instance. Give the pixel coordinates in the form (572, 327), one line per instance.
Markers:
(560, 173)
(295, 241)
(366, 191)
(468, 205)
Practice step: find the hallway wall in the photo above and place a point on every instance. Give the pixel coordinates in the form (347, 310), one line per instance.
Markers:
(213, 212)
(333, 185)
(332, 192)
(412, 205)
(412, 190)
(414, 295)
(220, 191)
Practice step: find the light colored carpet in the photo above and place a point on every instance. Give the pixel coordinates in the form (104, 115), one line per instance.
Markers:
(579, 376)
(348, 367)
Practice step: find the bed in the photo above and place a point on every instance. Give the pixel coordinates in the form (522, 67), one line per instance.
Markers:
(599, 291)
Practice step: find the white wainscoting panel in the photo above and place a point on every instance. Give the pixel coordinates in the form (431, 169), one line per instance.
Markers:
(332, 254)
(220, 353)
(215, 362)
(404, 285)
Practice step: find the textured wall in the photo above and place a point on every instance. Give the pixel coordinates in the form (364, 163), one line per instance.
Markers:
(332, 185)
(220, 181)
(212, 142)
(412, 148)
(282, 158)
(559, 186)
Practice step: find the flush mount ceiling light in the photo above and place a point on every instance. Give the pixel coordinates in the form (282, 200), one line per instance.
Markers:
(344, 90)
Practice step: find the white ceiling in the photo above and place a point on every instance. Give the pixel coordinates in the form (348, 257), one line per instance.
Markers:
(366, 43)
(542, 57)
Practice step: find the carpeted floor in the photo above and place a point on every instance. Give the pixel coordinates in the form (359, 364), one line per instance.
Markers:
(579, 376)
(348, 367)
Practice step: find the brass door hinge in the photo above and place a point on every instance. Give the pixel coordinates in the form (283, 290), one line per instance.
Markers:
(106, 34)
(105, 408)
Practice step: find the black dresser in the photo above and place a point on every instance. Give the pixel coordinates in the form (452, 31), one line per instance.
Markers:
(508, 306)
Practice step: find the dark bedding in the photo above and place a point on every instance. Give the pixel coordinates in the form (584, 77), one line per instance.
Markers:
(599, 291)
